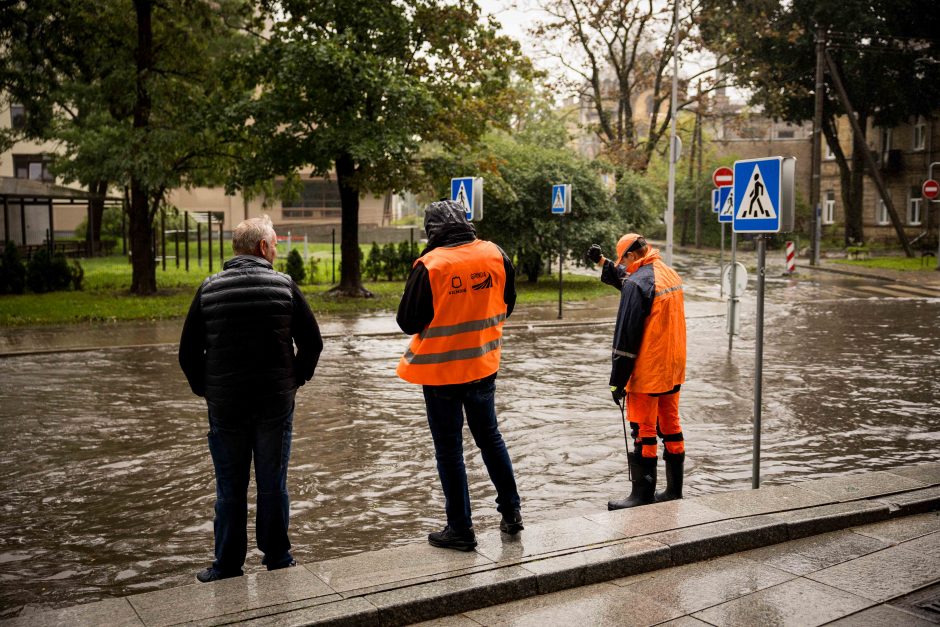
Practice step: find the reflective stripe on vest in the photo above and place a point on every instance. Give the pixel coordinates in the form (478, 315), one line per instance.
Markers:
(463, 341)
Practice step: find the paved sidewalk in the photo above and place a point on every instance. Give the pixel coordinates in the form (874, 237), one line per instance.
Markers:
(865, 575)
(804, 553)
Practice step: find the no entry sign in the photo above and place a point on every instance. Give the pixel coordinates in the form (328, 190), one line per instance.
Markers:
(930, 189)
(723, 177)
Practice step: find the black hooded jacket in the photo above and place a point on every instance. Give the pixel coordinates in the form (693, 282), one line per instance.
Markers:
(445, 223)
(237, 345)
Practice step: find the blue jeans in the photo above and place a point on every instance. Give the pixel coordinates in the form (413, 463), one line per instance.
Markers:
(446, 405)
(232, 442)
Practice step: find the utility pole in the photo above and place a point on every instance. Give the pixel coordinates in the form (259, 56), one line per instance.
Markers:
(814, 188)
(859, 144)
(673, 147)
(698, 180)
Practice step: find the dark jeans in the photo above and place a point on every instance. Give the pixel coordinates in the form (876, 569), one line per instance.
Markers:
(232, 442)
(446, 405)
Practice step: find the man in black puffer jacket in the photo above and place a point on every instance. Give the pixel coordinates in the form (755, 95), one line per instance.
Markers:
(237, 350)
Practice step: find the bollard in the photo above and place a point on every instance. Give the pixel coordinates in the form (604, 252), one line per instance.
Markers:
(791, 257)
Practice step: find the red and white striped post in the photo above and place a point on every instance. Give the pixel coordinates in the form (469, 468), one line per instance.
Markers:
(791, 258)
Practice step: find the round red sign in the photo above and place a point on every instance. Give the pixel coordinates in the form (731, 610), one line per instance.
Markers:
(723, 177)
(930, 189)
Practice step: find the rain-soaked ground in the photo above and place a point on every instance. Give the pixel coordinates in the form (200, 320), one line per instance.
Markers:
(107, 489)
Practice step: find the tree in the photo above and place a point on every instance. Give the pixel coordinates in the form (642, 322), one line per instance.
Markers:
(518, 176)
(772, 44)
(621, 50)
(356, 86)
(135, 97)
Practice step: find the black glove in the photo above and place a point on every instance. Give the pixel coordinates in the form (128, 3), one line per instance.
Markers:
(594, 254)
(618, 394)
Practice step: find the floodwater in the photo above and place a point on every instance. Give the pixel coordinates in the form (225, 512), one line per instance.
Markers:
(106, 485)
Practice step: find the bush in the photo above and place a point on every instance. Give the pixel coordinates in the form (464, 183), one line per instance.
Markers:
(295, 266)
(12, 271)
(406, 257)
(373, 265)
(314, 270)
(389, 261)
(48, 273)
(77, 274)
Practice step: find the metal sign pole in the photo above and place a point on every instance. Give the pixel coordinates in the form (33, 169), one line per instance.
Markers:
(758, 359)
(561, 261)
(721, 263)
(733, 301)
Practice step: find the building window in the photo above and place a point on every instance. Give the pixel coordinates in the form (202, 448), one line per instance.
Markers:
(914, 204)
(17, 116)
(829, 208)
(920, 132)
(33, 167)
(828, 154)
(881, 213)
(315, 194)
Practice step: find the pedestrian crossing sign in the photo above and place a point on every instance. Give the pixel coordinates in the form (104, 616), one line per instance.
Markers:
(468, 191)
(716, 206)
(763, 195)
(561, 199)
(725, 204)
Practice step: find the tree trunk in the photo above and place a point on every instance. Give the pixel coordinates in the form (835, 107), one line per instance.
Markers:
(143, 264)
(350, 281)
(854, 217)
(96, 209)
(144, 269)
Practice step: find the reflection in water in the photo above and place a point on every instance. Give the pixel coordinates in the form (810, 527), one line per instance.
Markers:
(107, 486)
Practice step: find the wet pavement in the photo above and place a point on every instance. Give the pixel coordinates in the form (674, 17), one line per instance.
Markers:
(860, 548)
(107, 487)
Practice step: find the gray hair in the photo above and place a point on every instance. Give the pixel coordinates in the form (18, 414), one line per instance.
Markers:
(248, 234)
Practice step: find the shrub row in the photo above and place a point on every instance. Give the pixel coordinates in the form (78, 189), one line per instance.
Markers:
(44, 272)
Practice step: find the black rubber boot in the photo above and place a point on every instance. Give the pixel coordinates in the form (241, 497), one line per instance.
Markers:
(675, 463)
(644, 483)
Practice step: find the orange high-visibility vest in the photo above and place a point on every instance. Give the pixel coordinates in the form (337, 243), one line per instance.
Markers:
(462, 342)
(660, 362)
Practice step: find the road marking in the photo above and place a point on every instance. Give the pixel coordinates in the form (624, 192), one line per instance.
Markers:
(883, 291)
(920, 291)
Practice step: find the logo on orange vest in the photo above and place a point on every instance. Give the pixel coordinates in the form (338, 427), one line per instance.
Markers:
(485, 283)
(457, 283)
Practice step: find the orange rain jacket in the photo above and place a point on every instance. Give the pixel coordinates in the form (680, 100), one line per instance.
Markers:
(462, 342)
(649, 337)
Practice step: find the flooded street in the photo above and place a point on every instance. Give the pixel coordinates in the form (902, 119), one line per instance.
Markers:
(107, 489)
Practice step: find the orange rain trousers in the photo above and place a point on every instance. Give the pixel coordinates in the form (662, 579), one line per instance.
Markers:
(649, 412)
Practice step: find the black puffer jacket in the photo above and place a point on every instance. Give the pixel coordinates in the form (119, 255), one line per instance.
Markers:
(237, 347)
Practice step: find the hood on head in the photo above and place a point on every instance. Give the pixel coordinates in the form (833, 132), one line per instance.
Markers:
(445, 214)
(445, 223)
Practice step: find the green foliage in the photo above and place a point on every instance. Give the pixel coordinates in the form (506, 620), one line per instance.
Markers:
(48, 273)
(373, 265)
(887, 54)
(136, 93)
(356, 87)
(12, 270)
(389, 261)
(295, 266)
(111, 224)
(517, 216)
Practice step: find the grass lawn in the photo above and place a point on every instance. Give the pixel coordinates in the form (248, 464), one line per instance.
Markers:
(105, 296)
(907, 264)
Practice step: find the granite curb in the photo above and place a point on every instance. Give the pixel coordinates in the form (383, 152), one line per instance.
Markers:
(926, 285)
(415, 582)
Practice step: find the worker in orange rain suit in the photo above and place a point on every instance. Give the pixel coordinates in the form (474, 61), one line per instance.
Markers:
(648, 363)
